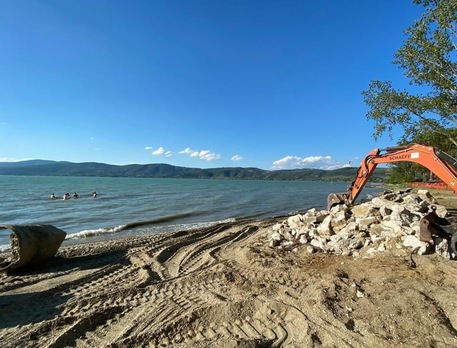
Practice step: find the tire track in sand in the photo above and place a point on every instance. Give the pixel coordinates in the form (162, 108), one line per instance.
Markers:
(200, 288)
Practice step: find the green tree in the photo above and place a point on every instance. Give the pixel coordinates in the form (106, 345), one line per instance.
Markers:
(403, 172)
(428, 57)
(427, 137)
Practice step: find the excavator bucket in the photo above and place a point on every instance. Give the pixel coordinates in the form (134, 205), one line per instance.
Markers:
(336, 199)
(432, 225)
(31, 244)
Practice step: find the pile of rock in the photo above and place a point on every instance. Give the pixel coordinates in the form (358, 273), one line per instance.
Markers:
(388, 221)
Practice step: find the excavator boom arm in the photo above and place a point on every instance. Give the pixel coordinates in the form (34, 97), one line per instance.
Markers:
(440, 163)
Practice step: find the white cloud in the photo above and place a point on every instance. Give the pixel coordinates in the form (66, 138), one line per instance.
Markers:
(316, 162)
(208, 156)
(162, 152)
(237, 158)
(11, 159)
(188, 151)
(203, 154)
(148, 148)
(159, 151)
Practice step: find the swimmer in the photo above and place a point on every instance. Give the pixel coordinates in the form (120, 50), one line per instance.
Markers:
(75, 195)
(53, 196)
(94, 194)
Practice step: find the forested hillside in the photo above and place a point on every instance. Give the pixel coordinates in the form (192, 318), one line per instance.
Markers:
(50, 168)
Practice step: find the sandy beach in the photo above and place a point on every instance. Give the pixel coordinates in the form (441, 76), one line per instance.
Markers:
(224, 286)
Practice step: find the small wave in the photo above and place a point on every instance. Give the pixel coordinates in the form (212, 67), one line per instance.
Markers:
(168, 228)
(195, 225)
(155, 221)
(95, 232)
(116, 229)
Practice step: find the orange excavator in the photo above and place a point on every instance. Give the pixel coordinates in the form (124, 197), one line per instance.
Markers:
(438, 162)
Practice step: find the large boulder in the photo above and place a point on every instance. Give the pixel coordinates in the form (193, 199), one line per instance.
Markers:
(31, 245)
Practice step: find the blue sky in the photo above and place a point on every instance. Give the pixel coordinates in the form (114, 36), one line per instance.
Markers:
(210, 83)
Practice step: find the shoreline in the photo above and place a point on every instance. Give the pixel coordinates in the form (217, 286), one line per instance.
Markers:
(125, 201)
(223, 286)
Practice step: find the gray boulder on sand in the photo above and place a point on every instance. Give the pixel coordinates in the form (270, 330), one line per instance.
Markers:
(31, 244)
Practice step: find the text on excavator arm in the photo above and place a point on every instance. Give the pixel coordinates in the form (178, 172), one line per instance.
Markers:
(440, 163)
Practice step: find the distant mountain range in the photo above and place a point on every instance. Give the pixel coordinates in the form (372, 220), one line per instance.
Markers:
(54, 168)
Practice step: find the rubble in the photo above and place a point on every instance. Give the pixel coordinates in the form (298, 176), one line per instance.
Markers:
(386, 222)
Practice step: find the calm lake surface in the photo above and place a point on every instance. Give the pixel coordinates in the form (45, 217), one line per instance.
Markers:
(138, 206)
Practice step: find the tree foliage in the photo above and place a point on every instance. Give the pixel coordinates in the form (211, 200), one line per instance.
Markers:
(428, 58)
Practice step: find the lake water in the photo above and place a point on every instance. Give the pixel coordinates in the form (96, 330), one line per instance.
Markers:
(138, 206)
